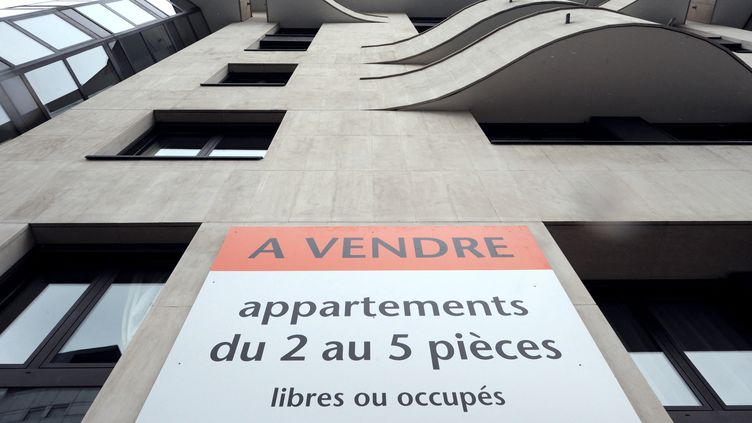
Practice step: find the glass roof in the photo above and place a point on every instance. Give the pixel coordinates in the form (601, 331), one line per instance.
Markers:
(131, 12)
(3, 116)
(17, 48)
(54, 31)
(51, 82)
(105, 17)
(165, 6)
(88, 64)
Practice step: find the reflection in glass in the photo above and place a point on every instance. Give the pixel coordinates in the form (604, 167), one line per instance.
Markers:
(121, 59)
(24, 103)
(18, 48)
(53, 30)
(7, 129)
(728, 372)
(131, 12)
(3, 116)
(93, 70)
(184, 29)
(48, 405)
(22, 337)
(105, 17)
(176, 145)
(242, 145)
(666, 382)
(86, 23)
(158, 42)
(199, 24)
(165, 6)
(54, 86)
(105, 333)
(137, 53)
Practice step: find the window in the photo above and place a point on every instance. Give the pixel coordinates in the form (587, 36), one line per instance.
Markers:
(7, 129)
(93, 70)
(692, 340)
(203, 135)
(165, 6)
(67, 313)
(19, 95)
(617, 130)
(91, 26)
(54, 86)
(105, 17)
(136, 51)
(259, 75)
(53, 30)
(17, 48)
(294, 39)
(131, 12)
(199, 24)
(158, 42)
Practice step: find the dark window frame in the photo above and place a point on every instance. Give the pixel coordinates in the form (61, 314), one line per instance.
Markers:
(285, 39)
(276, 75)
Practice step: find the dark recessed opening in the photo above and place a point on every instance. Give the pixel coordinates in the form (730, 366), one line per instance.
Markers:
(617, 130)
(291, 39)
(260, 75)
(424, 24)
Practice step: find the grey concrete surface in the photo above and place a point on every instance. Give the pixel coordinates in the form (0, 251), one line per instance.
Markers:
(335, 162)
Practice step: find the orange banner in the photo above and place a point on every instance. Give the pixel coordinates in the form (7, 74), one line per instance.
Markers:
(380, 248)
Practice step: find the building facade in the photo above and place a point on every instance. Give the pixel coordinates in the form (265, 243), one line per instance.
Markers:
(620, 143)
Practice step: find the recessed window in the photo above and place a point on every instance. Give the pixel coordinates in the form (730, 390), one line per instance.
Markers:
(692, 340)
(203, 135)
(291, 39)
(258, 75)
(67, 314)
(617, 130)
(54, 31)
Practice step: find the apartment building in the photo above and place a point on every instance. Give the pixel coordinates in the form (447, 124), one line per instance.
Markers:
(395, 210)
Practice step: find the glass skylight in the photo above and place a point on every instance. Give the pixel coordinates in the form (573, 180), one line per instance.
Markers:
(165, 6)
(131, 12)
(105, 17)
(54, 31)
(18, 48)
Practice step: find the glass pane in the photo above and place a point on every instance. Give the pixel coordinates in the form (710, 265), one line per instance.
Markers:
(23, 336)
(175, 35)
(54, 86)
(17, 48)
(105, 17)
(121, 59)
(53, 31)
(107, 330)
(158, 42)
(666, 382)
(131, 12)
(137, 53)
(24, 103)
(165, 6)
(199, 24)
(728, 372)
(236, 145)
(85, 22)
(185, 31)
(7, 129)
(3, 116)
(176, 145)
(93, 70)
(36, 405)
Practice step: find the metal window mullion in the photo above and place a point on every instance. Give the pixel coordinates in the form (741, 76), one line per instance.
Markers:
(75, 78)
(96, 290)
(34, 96)
(678, 359)
(210, 145)
(113, 62)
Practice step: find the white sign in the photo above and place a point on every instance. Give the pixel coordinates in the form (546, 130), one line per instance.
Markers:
(491, 337)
